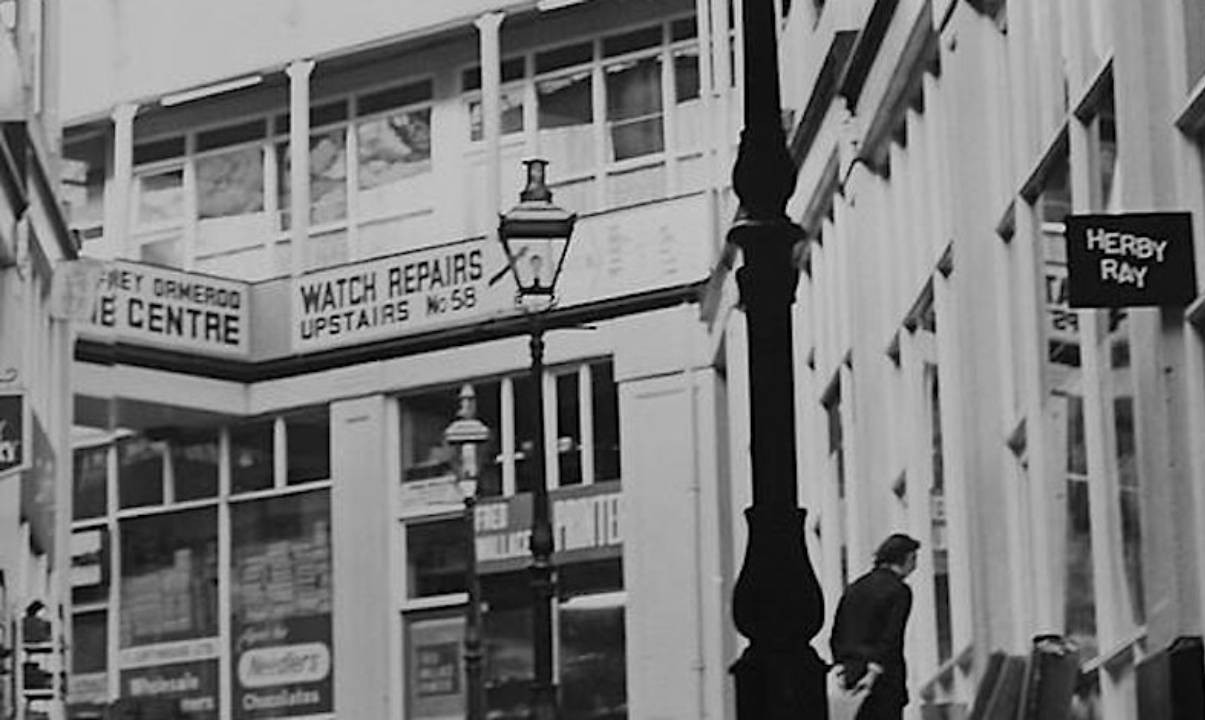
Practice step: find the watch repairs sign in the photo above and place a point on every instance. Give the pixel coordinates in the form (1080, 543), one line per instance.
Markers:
(1130, 260)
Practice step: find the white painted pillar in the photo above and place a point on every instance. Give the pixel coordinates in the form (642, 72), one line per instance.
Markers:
(299, 160)
(362, 520)
(488, 26)
(118, 222)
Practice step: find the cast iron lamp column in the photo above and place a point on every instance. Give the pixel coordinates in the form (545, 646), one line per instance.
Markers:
(535, 235)
(777, 603)
(467, 433)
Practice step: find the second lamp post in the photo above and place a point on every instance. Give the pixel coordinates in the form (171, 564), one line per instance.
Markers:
(535, 236)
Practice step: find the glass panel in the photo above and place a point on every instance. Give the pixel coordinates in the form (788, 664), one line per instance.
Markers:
(605, 406)
(251, 464)
(89, 642)
(565, 119)
(394, 97)
(156, 150)
(938, 525)
(434, 666)
(230, 183)
(509, 662)
(592, 658)
(308, 441)
(84, 181)
(281, 602)
(563, 57)
(139, 472)
(511, 114)
(195, 457)
(425, 417)
(1079, 594)
(169, 577)
(91, 482)
(632, 41)
(634, 108)
(160, 197)
(525, 432)
(328, 176)
(231, 135)
(394, 147)
(436, 558)
(568, 428)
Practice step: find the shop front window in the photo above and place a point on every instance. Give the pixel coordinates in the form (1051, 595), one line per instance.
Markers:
(89, 642)
(169, 577)
(139, 472)
(195, 461)
(436, 558)
(251, 456)
(308, 443)
(593, 657)
(90, 475)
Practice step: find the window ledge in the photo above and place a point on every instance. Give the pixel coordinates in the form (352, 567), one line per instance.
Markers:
(1118, 655)
(435, 602)
(1191, 119)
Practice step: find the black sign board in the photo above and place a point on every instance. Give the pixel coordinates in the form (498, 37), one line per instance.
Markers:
(1130, 260)
(14, 452)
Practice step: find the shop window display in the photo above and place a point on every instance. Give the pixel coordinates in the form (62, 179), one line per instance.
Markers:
(169, 577)
(281, 598)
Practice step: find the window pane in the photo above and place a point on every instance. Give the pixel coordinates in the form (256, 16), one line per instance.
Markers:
(158, 150)
(160, 197)
(230, 183)
(434, 665)
(1079, 596)
(593, 676)
(509, 662)
(231, 135)
(511, 114)
(281, 597)
(489, 458)
(251, 464)
(425, 417)
(394, 97)
(308, 440)
(169, 577)
(686, 74)
(606, 421)
(632, 41)
(139, 472)
(89, 642)
(394, 147)
(563, 57)
(83, 181)
(91, 481)
(328, 176)
(525, 432)
(565, 112)
(568, 424)
(436, 558)
(195, 464)
(634, 108)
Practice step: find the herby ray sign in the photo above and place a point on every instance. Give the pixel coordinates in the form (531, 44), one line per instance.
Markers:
(1130, 260)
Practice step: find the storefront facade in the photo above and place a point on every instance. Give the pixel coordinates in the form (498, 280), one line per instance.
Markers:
(1044, 454)
(263, 494)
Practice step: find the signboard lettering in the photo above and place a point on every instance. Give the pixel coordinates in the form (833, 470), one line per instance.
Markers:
(1130, 260)
(191, 686)
(585, 518)
(170, 308)
(398, 295)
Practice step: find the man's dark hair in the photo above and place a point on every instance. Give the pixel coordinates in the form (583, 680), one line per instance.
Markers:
(895, 549)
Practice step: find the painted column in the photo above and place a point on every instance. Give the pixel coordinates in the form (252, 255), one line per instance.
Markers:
(361, 536)
(491, 100)
(118, 222)
(299, 160)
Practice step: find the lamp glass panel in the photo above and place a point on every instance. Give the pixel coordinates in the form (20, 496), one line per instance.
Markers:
(535, 261)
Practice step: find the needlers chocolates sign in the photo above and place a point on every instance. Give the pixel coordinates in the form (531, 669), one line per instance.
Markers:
(1130, 260)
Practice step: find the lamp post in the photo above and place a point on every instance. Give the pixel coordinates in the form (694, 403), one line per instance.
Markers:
(466, 433)
(777, 603)
(535, 236)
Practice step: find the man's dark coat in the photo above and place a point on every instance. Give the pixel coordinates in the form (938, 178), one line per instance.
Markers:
(869, 627)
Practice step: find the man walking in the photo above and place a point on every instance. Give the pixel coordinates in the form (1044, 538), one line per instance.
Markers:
(868, 631)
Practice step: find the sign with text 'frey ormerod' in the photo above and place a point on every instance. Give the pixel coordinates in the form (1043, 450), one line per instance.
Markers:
(399, 295)
(183, 311)
(1130, 260)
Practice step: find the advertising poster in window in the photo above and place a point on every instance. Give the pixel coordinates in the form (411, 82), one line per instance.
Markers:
(434, 682)
(172, 309)
(282, 659)
(186, 690)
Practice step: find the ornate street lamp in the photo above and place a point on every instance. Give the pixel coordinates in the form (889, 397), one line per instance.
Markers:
(777, 603)
(535, 235)
(467, 433)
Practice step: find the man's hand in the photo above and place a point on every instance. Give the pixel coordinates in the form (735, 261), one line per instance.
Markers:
(866, 682)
